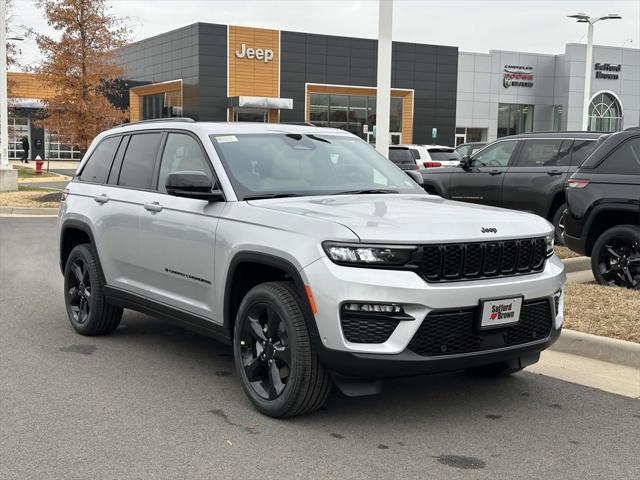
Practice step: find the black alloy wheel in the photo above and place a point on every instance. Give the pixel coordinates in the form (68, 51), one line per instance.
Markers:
(619, 262)
(265, 352)
(616, 257)
(87, 308)
(275, 358)
(79, 291)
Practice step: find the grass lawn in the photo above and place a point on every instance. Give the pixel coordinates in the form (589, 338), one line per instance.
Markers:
(30, 197)
(564, 252)
(26, 172)
(608, 311)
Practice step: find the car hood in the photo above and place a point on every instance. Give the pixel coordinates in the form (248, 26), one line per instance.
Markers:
(412, 218)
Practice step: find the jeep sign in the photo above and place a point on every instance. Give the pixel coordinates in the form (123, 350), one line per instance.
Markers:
(266, 55)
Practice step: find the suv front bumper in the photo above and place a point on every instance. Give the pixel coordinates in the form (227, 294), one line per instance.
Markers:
(333, 285)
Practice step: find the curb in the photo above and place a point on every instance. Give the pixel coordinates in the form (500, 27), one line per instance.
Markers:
(600, 348)
(28, 211)
(576, 264)
(56, 179)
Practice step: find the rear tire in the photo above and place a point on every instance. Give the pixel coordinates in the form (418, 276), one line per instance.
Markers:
(87, 309)
(558, 223)
(278, 368)
(615, 257)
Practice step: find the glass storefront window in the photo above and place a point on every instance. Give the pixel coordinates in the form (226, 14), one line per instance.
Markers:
(395, 123)
(352, 112)
(18, 128)
(605, 113)
(514, 119)
(162, 105)
(319, 109)
(54, 150)
(557, 118)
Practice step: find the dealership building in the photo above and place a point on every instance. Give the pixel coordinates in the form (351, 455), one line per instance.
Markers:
(439, 95)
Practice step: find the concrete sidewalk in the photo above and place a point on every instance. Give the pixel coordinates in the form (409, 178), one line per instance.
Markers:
(53, 164)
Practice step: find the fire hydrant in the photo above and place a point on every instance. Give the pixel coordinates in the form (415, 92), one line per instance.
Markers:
(39, 163)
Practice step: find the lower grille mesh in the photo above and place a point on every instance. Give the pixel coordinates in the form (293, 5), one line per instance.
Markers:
(367, 329)
(455, 332)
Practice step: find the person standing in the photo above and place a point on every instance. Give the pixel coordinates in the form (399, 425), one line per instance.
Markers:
(25, 150)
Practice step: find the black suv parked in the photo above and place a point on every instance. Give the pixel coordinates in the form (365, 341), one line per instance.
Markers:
(523, 172)
(603, 215)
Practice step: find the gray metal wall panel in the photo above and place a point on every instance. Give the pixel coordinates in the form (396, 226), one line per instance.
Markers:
(431, 71)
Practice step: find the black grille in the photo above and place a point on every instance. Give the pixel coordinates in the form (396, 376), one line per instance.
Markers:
(455, 332)
(369, 329)
(460, 261)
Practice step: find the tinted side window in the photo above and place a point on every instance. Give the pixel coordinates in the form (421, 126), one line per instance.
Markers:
(545, 153)
(497, 155)
(625, 160)
(139, 161)
(100, 161)
(581, 150)
(181, 153)
(415, 153)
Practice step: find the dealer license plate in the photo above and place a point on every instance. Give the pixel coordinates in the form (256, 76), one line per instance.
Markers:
(500, 312)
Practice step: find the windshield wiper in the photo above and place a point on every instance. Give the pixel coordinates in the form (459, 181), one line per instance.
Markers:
(271, 195)
(365, 192)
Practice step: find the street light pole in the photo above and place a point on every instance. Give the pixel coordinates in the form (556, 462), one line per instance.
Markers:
(584, 18)
(4, 123)
(587, 79)
(8, 176)
(383, 92)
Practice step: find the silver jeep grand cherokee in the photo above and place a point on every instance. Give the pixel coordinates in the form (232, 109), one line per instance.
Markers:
(316, 258)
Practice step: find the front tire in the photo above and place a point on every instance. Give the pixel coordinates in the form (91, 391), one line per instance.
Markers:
(279, 370)
(87, 308)
(615, 258)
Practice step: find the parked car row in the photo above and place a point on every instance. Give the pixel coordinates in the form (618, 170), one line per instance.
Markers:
(522, 172)
(587, 184)
(424, 156)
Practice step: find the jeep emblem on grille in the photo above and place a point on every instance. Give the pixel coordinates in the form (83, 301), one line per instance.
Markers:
(489, 230)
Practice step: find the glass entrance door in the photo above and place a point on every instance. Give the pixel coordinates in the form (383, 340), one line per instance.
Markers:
(250, 115)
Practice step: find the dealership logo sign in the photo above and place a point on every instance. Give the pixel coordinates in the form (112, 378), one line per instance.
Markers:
(601, 68)
(263, 54)
(517, 76)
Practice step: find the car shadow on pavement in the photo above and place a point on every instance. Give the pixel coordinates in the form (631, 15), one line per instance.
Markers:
(455, 397)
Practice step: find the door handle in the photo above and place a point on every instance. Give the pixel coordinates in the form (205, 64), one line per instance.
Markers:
(554, 172)
(153, 207)
(495, 172)
(101, 198)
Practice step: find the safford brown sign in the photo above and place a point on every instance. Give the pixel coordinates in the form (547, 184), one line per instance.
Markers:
(517, 76)
(606, 71)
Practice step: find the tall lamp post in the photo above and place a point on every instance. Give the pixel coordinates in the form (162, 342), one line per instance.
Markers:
(8, 176)
(584, 18)
(383, 91)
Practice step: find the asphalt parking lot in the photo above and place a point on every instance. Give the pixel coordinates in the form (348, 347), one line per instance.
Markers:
(155, 401)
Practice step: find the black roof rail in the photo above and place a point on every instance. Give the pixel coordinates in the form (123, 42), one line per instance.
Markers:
(155, 120)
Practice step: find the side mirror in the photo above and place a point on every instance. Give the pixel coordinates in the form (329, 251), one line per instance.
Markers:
(465, 162)
(192, 185)
(415, 176)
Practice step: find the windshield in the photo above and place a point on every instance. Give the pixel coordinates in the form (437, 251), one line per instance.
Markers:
(273, 164)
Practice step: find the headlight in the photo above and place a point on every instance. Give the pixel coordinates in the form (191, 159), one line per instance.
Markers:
(359, 254)
(550, 239)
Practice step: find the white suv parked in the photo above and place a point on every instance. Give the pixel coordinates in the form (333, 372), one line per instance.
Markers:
(431, 156)
(316, 258)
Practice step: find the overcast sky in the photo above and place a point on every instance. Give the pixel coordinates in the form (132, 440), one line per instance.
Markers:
(472, 25)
